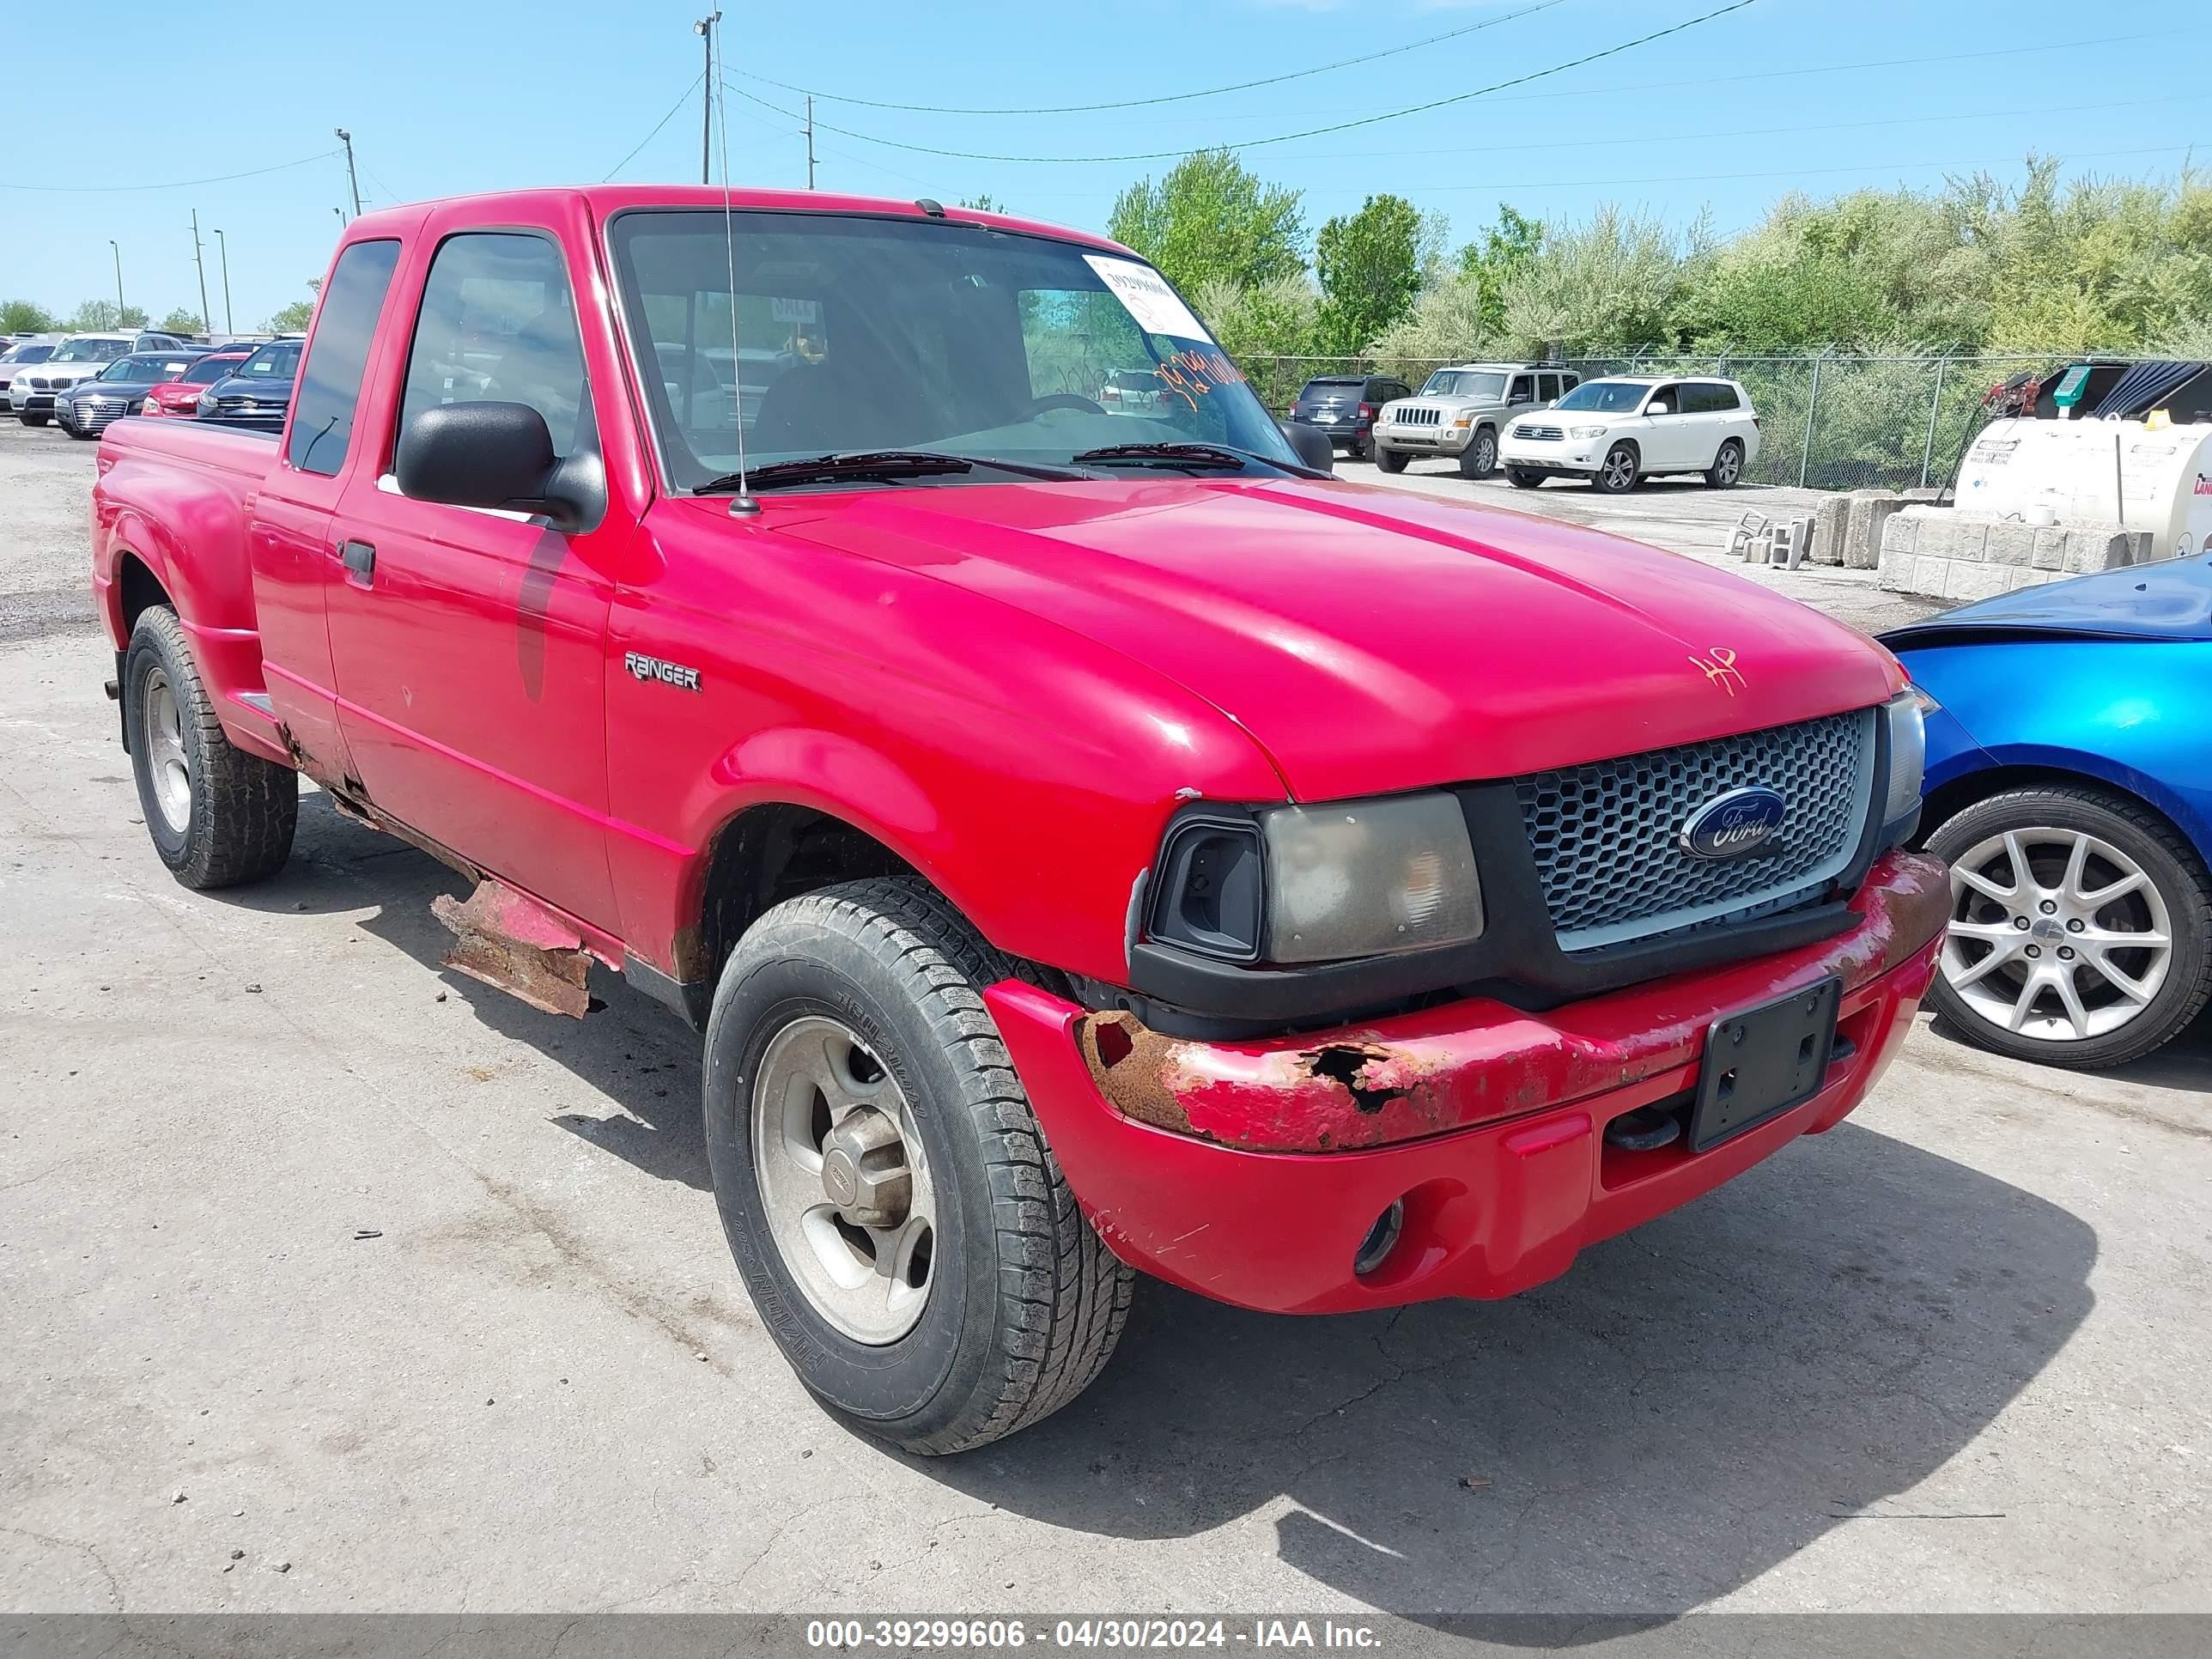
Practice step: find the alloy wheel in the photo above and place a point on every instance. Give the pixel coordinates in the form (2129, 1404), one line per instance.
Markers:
(170, 767)
(2055, 934)
(844, 1181)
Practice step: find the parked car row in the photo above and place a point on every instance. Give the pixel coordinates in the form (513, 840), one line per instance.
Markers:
(85, 381)
(1615, 433)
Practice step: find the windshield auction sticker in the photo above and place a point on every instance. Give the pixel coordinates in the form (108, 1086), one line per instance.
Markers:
(1148, 298)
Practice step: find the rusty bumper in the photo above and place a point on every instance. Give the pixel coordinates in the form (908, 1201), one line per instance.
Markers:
(1251, 1170)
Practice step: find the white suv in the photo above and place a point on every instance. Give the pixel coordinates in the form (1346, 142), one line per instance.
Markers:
(1615, 432)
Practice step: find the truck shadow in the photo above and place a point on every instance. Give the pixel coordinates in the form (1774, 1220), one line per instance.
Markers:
(1689, 1406)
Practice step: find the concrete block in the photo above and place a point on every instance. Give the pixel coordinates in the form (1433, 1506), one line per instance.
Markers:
(2049, 552)
(1970, 538)
(1870, 514)
(1830, 519)
(1969, 580)
(2106, 546)
(1897, 564)
(1902, 532)
(1921, 493)
(2010, 542)
(1929, 574)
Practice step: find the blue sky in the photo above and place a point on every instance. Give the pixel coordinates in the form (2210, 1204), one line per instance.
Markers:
(472, 94)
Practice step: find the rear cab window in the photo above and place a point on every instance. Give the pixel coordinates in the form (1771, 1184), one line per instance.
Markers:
(329, 391)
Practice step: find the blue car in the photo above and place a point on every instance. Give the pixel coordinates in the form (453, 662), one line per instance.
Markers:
(2070, 787)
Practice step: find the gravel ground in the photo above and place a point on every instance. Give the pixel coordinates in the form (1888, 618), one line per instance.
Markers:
(332, 1281)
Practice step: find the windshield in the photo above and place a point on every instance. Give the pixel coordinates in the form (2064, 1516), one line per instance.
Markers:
(208, 370)
(27, 354)
(1605, 397)
(872, 334)
(272, 362)
(90, 351)
(1464, 383)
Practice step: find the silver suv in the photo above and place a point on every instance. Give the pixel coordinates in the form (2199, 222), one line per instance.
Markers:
(1459, 412)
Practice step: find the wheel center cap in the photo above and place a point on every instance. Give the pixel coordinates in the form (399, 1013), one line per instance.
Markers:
(841, 1181)
(2048, 928)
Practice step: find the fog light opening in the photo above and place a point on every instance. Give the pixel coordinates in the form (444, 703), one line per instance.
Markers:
(1381, 1238)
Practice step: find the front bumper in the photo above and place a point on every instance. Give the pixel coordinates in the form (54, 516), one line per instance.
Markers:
(1425, 440)
(1250, 1171)
(1568, 455)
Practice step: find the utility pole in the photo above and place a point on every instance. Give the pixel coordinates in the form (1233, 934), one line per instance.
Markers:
(352, 181)
(201, 262)
(228, 327)
(704, 28)
(809, 141)
(118, 282)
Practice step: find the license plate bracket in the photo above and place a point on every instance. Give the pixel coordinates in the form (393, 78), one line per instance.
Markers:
(1763, 1060)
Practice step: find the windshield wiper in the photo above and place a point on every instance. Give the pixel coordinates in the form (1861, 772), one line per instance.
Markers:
(1206, 457)
(873, 463)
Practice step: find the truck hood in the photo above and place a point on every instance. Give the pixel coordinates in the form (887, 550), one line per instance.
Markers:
(2169, 601)
(1373, 639)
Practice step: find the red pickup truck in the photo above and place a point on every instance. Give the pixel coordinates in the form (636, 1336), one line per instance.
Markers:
(1090, 837)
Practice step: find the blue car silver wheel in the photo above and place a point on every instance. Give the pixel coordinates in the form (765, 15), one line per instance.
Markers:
(2081, 927)
(2056, 934)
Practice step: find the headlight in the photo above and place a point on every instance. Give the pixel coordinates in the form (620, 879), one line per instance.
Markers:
(1908, 755)
(1585, 432)
(1464, 420)
(1320, 884)
(206, 403)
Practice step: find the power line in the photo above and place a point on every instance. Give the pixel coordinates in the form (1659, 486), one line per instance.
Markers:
(176, 184)
(1282, 137)
(1791, 173)
(1752, 132)
(682, 98)
(1165, 98)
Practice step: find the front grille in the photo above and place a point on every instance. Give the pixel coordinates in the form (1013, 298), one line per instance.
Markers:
(1542, 435)
(1418, 417)
(1608, 836)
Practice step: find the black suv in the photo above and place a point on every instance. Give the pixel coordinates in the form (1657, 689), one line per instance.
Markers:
(1344, 405)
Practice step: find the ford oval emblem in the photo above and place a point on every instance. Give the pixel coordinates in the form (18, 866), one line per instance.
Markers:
(1731, 826)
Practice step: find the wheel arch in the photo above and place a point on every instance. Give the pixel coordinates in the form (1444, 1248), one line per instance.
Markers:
(1956, 793)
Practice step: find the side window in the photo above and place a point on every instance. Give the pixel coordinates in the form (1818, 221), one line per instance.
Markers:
(1568, 383)
(1669, 395)
(1723, 398)
(498, 325)
(1524, 389)
(329, 382)
(1547, 388)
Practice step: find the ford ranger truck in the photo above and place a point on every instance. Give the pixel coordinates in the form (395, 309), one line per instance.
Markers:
(1087, 843)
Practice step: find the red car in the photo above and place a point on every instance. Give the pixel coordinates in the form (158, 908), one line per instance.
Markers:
(182, 395)
(1087, 842)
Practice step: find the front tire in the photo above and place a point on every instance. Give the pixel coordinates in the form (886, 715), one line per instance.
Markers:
(849, 1034)
(1391, 460)
(1726, 467)
(1522, 478)
(217, 816)
(1479, 458)
(2093, 954)
(1616, 474)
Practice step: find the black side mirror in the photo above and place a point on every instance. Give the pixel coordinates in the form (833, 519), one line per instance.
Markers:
(1315, 447)
(484, 454)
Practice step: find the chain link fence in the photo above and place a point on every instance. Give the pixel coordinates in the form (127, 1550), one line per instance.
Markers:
(1828, 420)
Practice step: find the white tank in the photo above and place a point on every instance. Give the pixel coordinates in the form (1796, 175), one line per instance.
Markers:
(2096, 473)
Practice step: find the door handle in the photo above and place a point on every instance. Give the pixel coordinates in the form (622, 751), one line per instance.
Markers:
(359, 559)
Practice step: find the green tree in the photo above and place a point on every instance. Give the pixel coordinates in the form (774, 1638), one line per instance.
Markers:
(181, 321)
(1498, 256)
(22, 317)
(1370, 266)
(1614, 280)
(293, 319)
(1212, 216)
(983, 201)
(99, 316)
